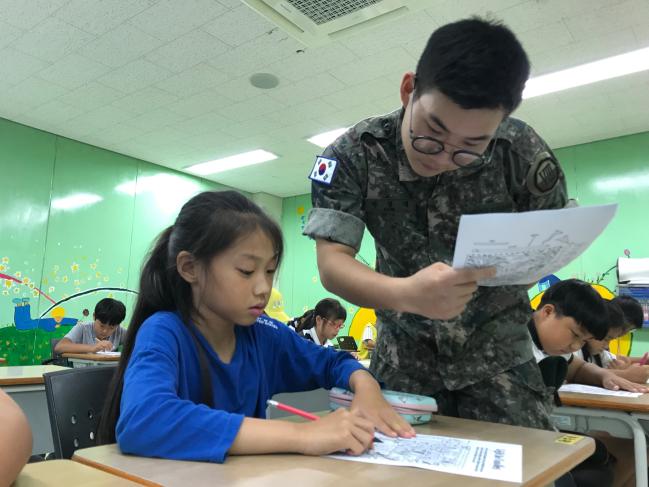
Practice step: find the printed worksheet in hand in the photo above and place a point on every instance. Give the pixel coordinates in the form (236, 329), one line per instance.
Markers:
(485, 459)
(524, 247)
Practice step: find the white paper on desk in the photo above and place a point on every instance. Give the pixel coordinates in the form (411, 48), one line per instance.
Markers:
(110, 354)
(524, 247)
(583, 389)
(485, 459)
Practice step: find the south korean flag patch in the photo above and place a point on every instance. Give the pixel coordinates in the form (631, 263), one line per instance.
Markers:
(323, 170)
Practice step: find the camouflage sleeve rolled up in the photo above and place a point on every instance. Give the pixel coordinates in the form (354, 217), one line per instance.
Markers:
(534, 175)
(338, 212)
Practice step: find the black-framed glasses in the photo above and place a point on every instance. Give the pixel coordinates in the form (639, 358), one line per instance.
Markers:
(431, 146)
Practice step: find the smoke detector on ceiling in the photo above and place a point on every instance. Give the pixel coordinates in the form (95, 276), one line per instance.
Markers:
(317, 22)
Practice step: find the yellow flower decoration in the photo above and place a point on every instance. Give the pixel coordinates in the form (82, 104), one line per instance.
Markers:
(35, 293)
(19, 274)
(93, 266)
(25, 280)
(8, 283)
(97, 274)
(65, 279)
(74, 267)
(5, 260)
(3, 267)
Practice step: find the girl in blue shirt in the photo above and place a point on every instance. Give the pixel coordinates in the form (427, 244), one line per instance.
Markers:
(200, 360)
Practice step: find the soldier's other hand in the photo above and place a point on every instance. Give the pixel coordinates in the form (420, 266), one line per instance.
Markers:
(441, 292)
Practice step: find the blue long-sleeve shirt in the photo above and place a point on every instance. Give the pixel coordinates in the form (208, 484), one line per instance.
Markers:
(160, 411)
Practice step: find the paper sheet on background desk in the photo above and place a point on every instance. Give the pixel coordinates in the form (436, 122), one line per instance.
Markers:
(596, 390)
(485, 459)
(110, 354)
(524, 247)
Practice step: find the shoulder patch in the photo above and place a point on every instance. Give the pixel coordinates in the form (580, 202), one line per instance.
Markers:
(323, 170)
(543, 174)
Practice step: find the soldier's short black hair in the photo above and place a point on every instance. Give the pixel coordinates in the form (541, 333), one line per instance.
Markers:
(477, 63)
(110, 311)
(578, 300)
(632, 309)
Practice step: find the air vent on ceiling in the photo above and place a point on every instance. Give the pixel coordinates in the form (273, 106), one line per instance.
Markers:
(316, 22)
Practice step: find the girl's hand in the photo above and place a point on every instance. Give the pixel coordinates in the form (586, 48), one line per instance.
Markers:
(637, 373)
(620, 362)
(369, 402)
(341, 430)
(617, 383)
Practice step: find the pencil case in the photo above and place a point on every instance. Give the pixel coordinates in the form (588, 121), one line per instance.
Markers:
(413, 408)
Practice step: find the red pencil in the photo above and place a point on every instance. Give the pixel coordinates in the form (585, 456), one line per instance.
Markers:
(292, 410)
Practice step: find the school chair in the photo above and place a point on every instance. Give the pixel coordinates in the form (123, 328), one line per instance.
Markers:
(75, 399)
(55, 358)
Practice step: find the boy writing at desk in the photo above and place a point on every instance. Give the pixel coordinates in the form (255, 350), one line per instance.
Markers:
(104, 333)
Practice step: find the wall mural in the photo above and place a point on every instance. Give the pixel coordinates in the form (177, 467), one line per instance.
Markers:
(26, 340)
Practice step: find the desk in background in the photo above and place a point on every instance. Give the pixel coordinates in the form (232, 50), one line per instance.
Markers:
(622, 417)
(91, 359)
(67, 472)
(25, 385)
(544, 460)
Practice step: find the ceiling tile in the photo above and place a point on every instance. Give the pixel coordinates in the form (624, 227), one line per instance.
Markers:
(8, 33)
(239, 26)
(98, 17)
(120, 46)
(52, 39)
(199, 104)
(135, 75)
(73, 71)
(91, 96)
(144, 100)
(27, 14)
(34, 92)
(17, 66)
(187, 51)
(193, 80)
(160, 117)
(167, 20)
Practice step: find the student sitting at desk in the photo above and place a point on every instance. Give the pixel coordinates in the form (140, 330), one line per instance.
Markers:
(321, 324)
(15, 439)
(200, 361)
(368, 342)
(104, 333)
(570, 313)
(596, 351)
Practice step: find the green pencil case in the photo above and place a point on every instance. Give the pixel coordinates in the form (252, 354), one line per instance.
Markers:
(413, 408)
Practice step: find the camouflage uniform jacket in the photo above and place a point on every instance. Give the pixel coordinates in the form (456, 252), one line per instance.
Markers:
(414, 223)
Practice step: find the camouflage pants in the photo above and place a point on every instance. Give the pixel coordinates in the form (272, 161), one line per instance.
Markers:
(516, 396)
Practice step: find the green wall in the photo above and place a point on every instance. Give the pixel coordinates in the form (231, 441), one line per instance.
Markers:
(613, 170)
(65, 252)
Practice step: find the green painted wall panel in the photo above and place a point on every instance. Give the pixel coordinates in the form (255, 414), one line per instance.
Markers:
(66, 252)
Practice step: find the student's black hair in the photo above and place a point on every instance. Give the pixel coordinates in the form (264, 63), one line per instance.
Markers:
(616, 318)
(632, 309)
(110, 311)
(327, 308)
(578, 300)
(207, 225)
(477, 63)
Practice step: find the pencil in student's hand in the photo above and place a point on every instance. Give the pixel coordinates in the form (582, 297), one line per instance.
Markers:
(644, 358)
(291, 409)
(299, 412)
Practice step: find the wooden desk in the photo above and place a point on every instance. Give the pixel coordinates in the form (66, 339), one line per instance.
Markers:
(622, 417)
(91, 359)
(544, 459)
(25, 386)
(66, 472)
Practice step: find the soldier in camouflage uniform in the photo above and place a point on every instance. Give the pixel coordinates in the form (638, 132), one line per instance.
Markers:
(408, 176)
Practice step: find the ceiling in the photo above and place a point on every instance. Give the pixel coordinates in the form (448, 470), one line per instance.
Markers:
(167, 80)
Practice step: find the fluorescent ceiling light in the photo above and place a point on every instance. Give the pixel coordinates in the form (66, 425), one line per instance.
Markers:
(326, 138)
(620, 183)
(231, 162)
(76, 200)
(612, 67)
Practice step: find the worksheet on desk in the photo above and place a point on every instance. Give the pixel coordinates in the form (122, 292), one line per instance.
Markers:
(110, 354)
(525, 247)
(584, 389)
(485, 459)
